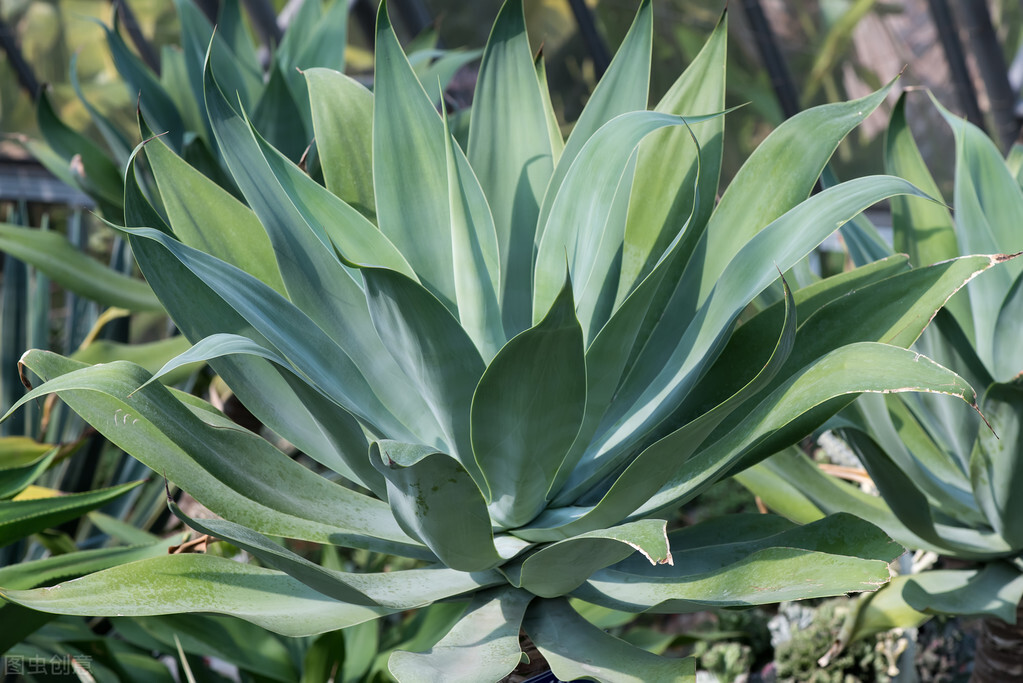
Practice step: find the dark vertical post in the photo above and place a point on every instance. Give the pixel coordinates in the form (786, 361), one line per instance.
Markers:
(26, 77)
(595, 44)
(943, 21)
(781, 80)
(131, 25)
(363, 12)
(984, 43)
(264, 20)
(413, 15)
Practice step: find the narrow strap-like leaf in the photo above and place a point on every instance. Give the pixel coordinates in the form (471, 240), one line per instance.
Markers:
(205, 216)
(623, 88)
(258, 485)
(51, 253)
(996, 470)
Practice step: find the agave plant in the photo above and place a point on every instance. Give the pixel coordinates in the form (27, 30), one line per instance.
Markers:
(514, 375)
(948, 483)
(275, 94)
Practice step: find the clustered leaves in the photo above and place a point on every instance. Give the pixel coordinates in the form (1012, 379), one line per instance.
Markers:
(949, 482)
(514, 356)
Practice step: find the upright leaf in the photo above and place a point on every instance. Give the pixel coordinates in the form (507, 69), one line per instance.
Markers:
(409, 169)
(526, 412)
(510, 151)
(669, 165)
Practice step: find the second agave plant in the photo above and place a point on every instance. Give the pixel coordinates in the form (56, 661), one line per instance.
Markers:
(511, 357)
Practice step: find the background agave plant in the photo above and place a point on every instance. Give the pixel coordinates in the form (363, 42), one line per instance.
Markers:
(948, 483)
(510, 361)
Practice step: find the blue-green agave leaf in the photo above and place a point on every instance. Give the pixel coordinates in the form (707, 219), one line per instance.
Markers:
(483, 645)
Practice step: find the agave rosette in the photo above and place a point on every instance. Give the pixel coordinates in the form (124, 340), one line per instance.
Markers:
(513, 357)
(949, 483)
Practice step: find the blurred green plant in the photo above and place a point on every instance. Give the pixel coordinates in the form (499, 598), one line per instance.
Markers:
(512, 361)
(948, 483)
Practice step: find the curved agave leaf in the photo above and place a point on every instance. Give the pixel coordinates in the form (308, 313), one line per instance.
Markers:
(25, 575)
(526, 411)
(622, 89)
(811, 491)
(283, 326)
(279, 116)
(264, 490)
(758, 195)
(115, 139)
(1008, 357)
(483, 645)
(409, 169)
(988, 203)
(653, 466)
(327, 294)
(342, 112)
(561, 567)
(433, 350)
(435, 500)
(294, 410)
(745, 352)
(994, 590)
(51, 253)
(13, 478)
(92, 170)
(996, 465)
(578, 219)
(207, 217)
(923, 230)
(334, 222)
(608, 356)
(475, 248)
(671, 364)
(405, 589)
(20, 518)
(174, 584)
(882, 611)
(762, 577)
(852, 369)
(895, 429)
(513, 168)
(722, 541)
(153, 99)
(576, 648)
(668, 166)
